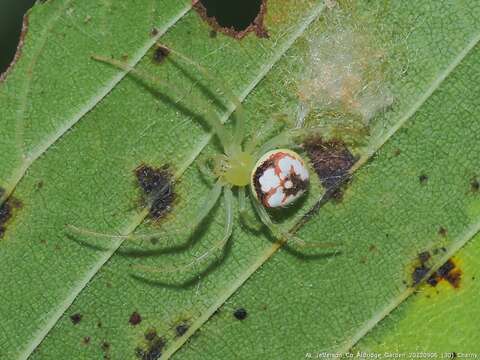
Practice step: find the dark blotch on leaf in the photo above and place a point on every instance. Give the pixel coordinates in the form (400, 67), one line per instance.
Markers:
(423, 179)
(181, 329)
(331, 160)
(135, 318)
(419, 274)
(76, 318)
(442, 231)
(155, 347)
(6, 211)
(157, 189)
(475, 185)
(150, 335)
(424, 256)
(240, 314)
(86, 340)
(234, 18)
(420, 271)
(160, 53)
(449, 272)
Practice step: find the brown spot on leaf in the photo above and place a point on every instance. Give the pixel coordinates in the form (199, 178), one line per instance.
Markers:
(157, 187)
(475, 185)
(234, 18)
(18, 52)
(181, 329)
(160, 54)
(76, 318)
(135, 318)
(331, 160)
(150, 334)
(424, 256)
(86, 340)
(240, 314)
(154, 348)
(442, 231)
(7, 210)
(423, 179)
(419, 273)
(421, 270)
(448, 272)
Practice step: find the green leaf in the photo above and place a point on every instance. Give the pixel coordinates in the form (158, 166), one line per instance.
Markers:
(132, 125)
(439, 319)
(78, 299)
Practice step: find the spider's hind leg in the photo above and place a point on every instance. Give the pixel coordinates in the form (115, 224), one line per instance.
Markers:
(202, 211)
(283, 236)
(211, 251)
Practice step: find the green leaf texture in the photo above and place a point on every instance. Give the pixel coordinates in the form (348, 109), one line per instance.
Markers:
(84, 127)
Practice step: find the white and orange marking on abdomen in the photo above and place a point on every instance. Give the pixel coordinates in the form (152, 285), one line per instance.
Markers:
(279, 178)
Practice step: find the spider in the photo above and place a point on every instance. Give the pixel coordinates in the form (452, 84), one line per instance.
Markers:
(272, 175)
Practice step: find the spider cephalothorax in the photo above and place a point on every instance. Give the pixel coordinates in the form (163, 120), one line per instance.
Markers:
(234, 169)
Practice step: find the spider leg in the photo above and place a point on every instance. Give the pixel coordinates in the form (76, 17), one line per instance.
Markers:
(211, 117)
(203, 210)
(295, 137)
(239, 114)
(253, 141)
(284, 236)
(244, 215)
(216, 246)
(203, 167)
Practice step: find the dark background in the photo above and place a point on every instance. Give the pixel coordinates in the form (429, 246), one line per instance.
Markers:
(11, 15)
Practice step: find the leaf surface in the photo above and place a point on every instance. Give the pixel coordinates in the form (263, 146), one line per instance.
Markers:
(324, 302)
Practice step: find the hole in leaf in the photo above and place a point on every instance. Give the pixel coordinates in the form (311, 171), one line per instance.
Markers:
(234, 18)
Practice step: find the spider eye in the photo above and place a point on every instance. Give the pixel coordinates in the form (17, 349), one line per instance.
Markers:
(279, 178)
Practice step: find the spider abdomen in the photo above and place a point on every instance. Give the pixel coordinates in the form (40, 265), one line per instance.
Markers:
(279, 178)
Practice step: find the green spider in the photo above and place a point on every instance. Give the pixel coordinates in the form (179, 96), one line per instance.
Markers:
(273, 176)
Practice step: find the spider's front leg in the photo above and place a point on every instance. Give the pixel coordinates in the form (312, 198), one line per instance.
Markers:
(228, 197)
(247, 219)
